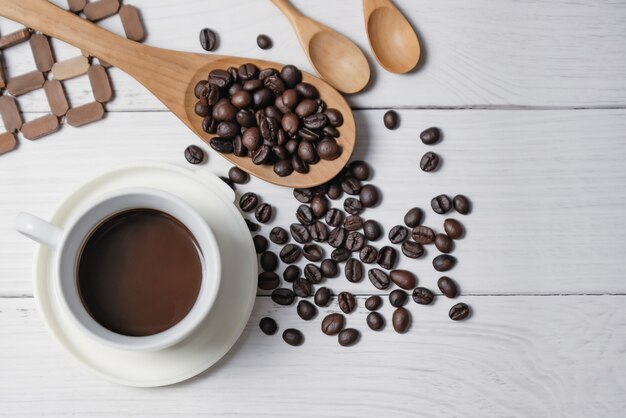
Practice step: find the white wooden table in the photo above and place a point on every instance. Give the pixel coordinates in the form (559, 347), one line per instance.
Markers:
(531, 97)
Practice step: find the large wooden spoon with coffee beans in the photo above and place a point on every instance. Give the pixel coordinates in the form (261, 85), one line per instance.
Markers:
(172, 77)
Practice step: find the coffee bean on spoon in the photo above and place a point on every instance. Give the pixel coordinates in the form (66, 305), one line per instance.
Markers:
(398, 234)
(283, 296)
(333, 323)
(397, 298)
(263, 213)
(372, 230)
(453, 228)
(353, 270)
(441, 204)
(291, 75)
(375, 321)
(429, 162)
(403, 278)
(269, 261)
(268, 280)
(348, 337)
(412, 249)
(306, 310)
(373, 303)
(444, 262)
(422, 296)
(260, 243)
(208, 39)
(448, 287)
(264, 42)
(322, 296)
(291, 273)
(290, 253)
(300, 233)
(293, 337)
(430, 136)
(459, 312)
(444, 243)
(329, 268)
(401, 320)
(302, 287)
(283, 168)
(391, 119)
(268, 326)
(461, 204)
(223, 145)
(194, 154)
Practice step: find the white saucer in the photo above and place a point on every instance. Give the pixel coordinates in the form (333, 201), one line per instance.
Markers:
(213, 199)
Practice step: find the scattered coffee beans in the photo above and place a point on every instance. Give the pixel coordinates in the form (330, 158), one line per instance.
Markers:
(332, 324)
(459, 311)
(429, 162)
(401, 320)
(248, 202)
(269, 261)
(300, 233)
(334, 217)
(329, 268)
(373, 303)
(263, 213)
(379, 278)
(397, 298)
(453, 228)
(264, 42)
(260, 243)
(279, 236)
(448, 287)
(283, 296)
(293, 337)
(268, 280)
(194, 154)
(403, 278)
(290, 253)
(375, 321)
(398, 234)
(348, 337)
(359, 169)
(354, 270)
(322, 296)
(387, 257)
(208, 39)
(306, 310)
(268, 326)
(368, 254)
(291, 273)
(444, 262)
(238, 176)
(422, 296)
(441, 204)
(413, 217)
(369, 196)
(346, 301)
(430, 136)
(391, 119)
(461, 204)
(423, 235)
(444, 243)
(372, 230)
(412, 249)
(313, 273)
(302, 287)
(312, 252)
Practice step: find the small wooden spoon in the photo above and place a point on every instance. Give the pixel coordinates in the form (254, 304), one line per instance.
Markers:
(172, 75)
(335, 58)
(391, 36)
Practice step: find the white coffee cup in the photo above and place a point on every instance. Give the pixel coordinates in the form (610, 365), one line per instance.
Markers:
(67, 242)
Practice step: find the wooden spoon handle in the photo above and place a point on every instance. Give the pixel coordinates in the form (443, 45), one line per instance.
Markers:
(50, 19)
(288, 10)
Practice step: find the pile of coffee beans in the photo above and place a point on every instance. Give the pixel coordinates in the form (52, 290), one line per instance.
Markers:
(271, 116)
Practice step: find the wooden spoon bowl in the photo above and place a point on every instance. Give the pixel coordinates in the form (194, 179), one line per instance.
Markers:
(172, 76)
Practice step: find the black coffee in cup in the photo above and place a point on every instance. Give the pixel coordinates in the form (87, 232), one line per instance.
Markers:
(139, 272)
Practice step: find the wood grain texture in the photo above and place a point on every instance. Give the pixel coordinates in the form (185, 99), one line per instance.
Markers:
(517, 357)
(483, 53)
(547, 189)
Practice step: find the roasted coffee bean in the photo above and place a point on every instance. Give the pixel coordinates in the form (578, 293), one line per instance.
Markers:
(462, 204)
(264, 42)
(266, 73)
(413, 217)
(263, 213)
(331, 131)
(429, 162)
(309, 135)
(291, 273)
(315, 121)
(251, 139)
(333, 323)
(412, 249)
(269, 128)
(444, 243)
(319, 206)
(269, 261)
(290, 253)
(373, 303)
(375, 321)
(352, 206)
(208, 39)
(307, 90)
(353, 270)
(441, 204)
(241, 100)
(453, 228)
(353, 223)
(337, 237)
(401, 320)
(291, 75)
(423, 296)
(300, 233)
(398, 234)
(202, 109)
(403, 278)
(268, 280)
(253, 85)
(252, 227)
(328, 150)
(283, 296)
(302, 287)
(194, 154)
(444, 262)
(210, 94)
(209, 125)
(351, 185)
(340, 254)
(459, 312)
(360, 170)
(237, 175)
(397, 298)
(224, 111)
(369, 196)
(279, 236)
(322, 297)
(335, 118)
(313, 273)
(348, 337)
(298, 165)
(379, 278)
(245, 118)
(234, 89)
(346, 301)
(247, 71)
(368, 254)
(306, 107)
(423, 235)
(329, 268)
(262, 97)
(268, 326)
(312, 252)
(354, 241)
(334, 217)
(303, 195)
(306, 310)
(391, 119)
(260, 243)
(387, 257)
(305, 215)
(372, 230)
(199, 88)
(334, 190)
(319, 232)
(223, 145)
(238, 149)
(283, 168)
(430, 136)
(248, 201)
(306, 151)
(275, 84)
(290, 123)
(447, 286)
(293, 337)
(262, 155)
(290, 98)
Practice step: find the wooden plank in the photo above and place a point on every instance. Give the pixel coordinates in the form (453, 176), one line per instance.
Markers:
(557, 53)
(517, 357)
(547, 189)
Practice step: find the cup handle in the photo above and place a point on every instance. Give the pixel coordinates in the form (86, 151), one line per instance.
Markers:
(38, 230)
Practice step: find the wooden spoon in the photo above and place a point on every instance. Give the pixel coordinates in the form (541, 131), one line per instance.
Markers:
(335, 58)
(172, 75)
(391, 36)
